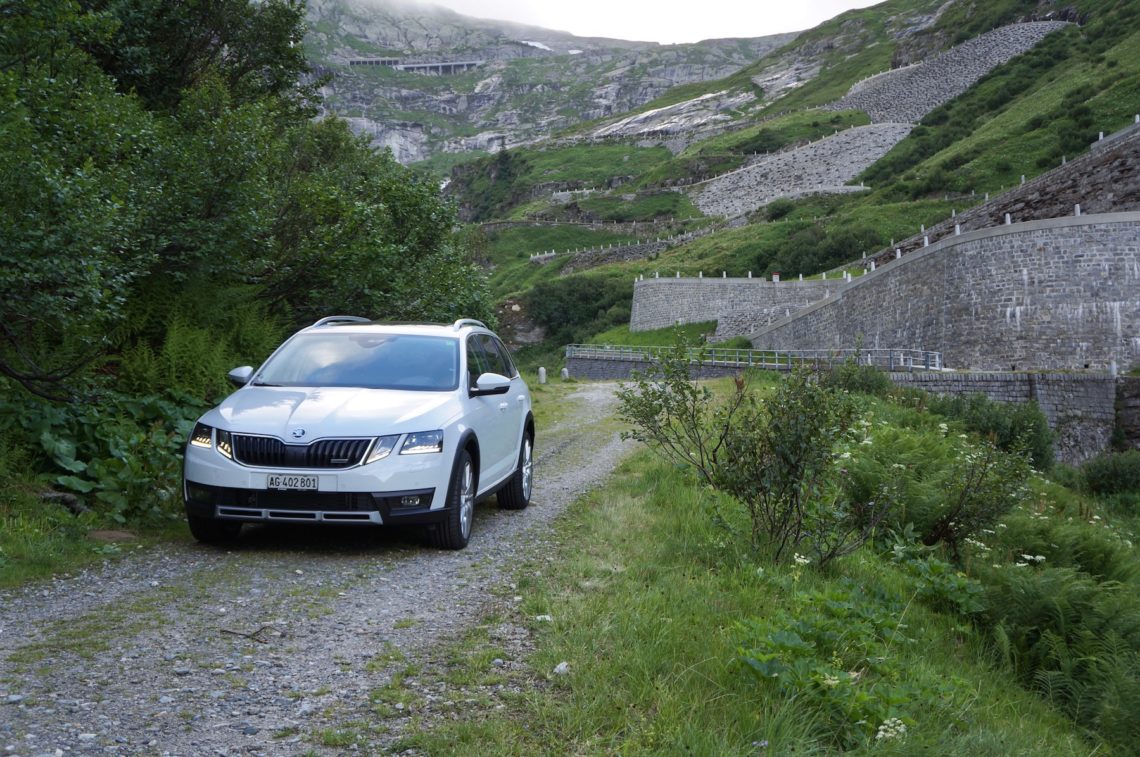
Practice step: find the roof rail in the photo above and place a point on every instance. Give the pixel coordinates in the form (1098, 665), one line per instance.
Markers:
(467, 322)
(341, 319)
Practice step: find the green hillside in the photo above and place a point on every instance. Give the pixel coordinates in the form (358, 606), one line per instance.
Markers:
(1021, 119)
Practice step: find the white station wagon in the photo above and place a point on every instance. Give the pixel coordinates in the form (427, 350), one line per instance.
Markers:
(362, 423)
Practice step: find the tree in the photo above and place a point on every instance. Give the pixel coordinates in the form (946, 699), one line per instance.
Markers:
(161, 50)
(76, 186)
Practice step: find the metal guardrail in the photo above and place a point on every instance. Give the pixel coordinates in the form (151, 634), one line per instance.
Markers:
(781, 360)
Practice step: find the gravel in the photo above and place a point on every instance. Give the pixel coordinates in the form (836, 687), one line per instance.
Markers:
(270, 646)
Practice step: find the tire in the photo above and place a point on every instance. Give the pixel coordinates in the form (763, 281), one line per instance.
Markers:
(516, 494)
(213, 531)
(455, 530)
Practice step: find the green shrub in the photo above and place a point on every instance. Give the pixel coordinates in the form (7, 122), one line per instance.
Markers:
(573, 308)
(851, 376)
(944, 488)
(834, 649)
(776, 457)
(1010, 426)
(1116, 473)
(778, 208)
(118, 453)
(1092, 550)
(735, 343)
(940, 585)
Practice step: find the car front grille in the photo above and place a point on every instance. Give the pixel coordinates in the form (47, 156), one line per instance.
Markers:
(268, 452)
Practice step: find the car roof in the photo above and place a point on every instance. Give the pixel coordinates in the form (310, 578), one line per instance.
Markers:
(355, 324)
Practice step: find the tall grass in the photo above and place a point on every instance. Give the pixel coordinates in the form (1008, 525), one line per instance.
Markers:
(647, 598)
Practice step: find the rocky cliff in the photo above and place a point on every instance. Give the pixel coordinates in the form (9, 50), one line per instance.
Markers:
(526, 83)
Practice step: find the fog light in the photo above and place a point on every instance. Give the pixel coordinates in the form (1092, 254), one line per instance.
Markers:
(410, 500)
(201, 494)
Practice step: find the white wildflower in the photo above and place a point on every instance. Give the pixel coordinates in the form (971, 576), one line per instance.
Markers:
(801, 559)
(892, 728)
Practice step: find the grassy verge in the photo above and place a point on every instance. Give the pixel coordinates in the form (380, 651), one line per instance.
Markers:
(650, 603)
(692, 333)
(40, 540)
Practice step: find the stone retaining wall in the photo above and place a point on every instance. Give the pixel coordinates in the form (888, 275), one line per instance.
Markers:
(1128, 410)
(908, 94)
(660, 303)
(1055, 294)
(827, 164)
(1104, 180)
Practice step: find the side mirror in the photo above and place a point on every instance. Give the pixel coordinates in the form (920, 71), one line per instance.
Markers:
(239, 377)
(491, 383)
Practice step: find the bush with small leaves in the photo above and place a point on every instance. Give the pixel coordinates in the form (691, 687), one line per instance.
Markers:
(1117, 473)
(776, 457)
(851, 376)
(1009, 425)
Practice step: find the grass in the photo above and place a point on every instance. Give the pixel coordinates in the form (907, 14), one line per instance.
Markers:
(647, 596)
(644, 206)
(40, 540)
(691, 333)
(591, 164)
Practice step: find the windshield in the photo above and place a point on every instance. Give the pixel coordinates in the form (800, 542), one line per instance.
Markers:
(370, 361)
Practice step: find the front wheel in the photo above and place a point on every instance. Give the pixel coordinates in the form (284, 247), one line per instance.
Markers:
(213, 531)
(516, 494)
(455, 530)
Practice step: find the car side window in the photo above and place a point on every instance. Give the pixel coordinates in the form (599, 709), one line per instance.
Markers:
(476, 360)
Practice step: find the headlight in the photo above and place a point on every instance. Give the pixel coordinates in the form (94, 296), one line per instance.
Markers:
(202, 436)
(422, 442)
(225, 446)
(383, 447)
(205, 436)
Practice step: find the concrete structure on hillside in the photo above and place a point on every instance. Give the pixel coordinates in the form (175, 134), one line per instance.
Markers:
(438, 68)
(662, 302)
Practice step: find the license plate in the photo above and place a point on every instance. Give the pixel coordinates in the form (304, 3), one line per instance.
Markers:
(295, 483)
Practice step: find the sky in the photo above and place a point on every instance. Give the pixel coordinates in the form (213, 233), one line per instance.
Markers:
(665, 21)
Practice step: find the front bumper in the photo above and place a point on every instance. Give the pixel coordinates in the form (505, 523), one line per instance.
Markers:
(409, 489)
(361, 508)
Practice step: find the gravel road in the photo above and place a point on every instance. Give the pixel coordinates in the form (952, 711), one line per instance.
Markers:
(271, 647)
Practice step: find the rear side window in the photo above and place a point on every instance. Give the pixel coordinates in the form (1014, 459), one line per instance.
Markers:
(505, 355)
(497, 361)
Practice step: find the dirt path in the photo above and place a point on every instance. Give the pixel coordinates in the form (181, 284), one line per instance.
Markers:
(272, 647)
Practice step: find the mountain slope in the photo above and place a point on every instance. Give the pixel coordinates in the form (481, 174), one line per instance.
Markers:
(528, 82)
(1023, 118)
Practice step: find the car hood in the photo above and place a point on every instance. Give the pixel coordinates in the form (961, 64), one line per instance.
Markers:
(323, 412)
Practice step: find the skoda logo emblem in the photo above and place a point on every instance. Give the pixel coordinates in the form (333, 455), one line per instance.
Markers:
(298, 433)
